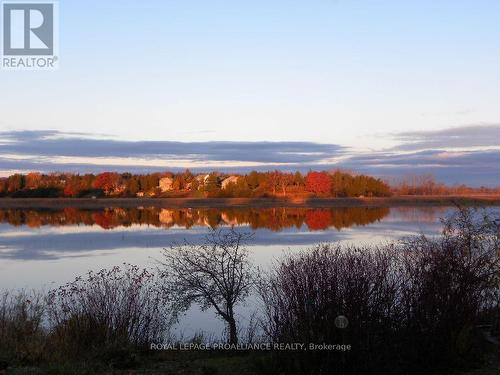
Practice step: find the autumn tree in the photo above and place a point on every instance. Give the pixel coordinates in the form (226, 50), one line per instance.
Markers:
(149, 182)
(273, 179)
(133, 186)
(236, 189)
(187, 178)
(72, 187)
(33, 180)
(15, 183)
(107, 181)
(318, 182)
(417, 184)
(212, 186)
(298, 179)
(253, 179)
(3, 185)
(194, 185)
(284, 179)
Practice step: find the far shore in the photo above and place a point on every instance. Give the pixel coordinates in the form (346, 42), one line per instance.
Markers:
(397, 201)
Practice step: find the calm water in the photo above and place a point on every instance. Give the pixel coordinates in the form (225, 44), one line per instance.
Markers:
(46, 248)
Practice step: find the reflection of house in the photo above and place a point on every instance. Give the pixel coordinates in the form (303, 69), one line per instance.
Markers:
(166, 184)
(230, 180)
(166, 217)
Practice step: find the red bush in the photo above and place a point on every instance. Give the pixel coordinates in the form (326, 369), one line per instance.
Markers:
(318, 183)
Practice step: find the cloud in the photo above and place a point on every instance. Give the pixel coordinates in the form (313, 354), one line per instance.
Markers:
(56, 144)
(482, 135)
(438, 158)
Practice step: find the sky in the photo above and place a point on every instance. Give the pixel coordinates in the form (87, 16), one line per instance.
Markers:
(381, 87)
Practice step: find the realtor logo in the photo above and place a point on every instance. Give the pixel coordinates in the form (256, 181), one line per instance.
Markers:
(29, 35)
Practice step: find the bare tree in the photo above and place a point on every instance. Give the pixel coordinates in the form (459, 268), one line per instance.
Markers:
(215, 274)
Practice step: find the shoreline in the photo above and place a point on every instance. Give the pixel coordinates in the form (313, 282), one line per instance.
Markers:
(100, 203)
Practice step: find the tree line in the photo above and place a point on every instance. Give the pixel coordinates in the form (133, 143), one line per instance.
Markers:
(334, 183)
(426, 184)
(253, 184)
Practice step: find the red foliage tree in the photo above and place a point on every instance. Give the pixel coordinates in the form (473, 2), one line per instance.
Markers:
(318, 183)
(106, 181)
(72, 188)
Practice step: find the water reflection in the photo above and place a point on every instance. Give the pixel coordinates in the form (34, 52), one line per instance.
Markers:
(41, 246)
(69, 233)
(275, 219)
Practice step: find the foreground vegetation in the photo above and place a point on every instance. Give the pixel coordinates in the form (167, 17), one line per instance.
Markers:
(414, 299)
(419, 305)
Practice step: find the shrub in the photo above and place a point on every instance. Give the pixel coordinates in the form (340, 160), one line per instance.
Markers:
(21, 331)
(306, 292)
(451, 281)
(107, 311)
(420, 298)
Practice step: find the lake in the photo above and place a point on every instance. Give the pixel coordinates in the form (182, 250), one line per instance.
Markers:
(46, 248)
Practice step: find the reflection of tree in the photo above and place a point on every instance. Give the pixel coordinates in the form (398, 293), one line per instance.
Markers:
(275, 219)
(347, 217)
(318, 219)
(103, 219)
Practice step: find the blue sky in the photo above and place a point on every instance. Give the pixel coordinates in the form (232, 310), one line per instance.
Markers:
(356, 75)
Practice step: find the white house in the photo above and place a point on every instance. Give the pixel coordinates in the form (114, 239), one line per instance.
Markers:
(230, 180)
(166, 184)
